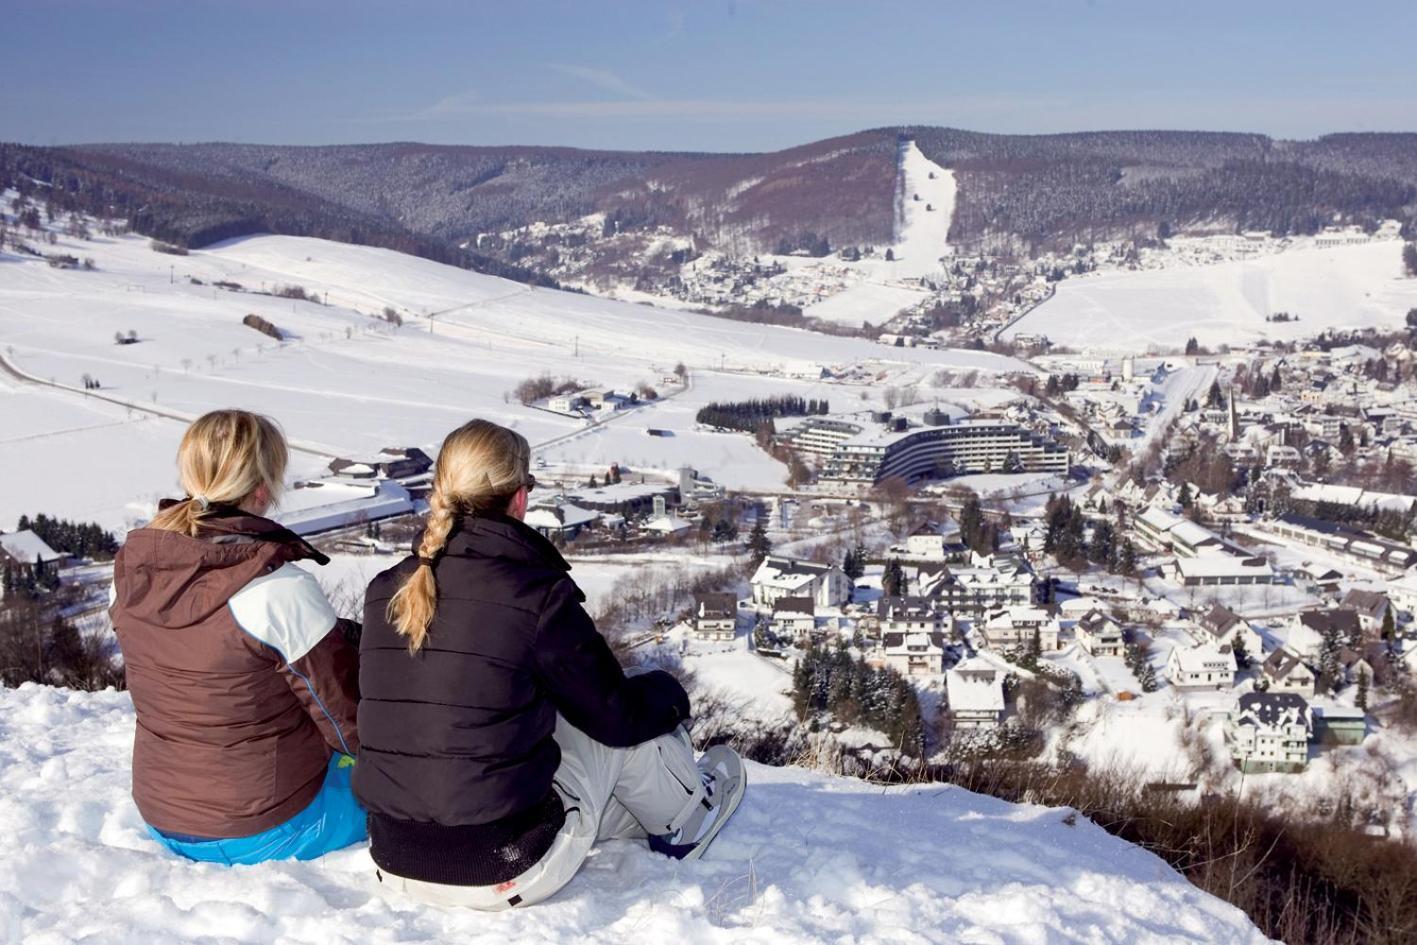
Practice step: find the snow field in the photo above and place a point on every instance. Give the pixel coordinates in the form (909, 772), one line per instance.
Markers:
(1226, 303)
(808, 858)
(350, 382)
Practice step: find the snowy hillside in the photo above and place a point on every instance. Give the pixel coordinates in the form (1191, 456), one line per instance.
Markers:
(346, 381)
(808, 859)
(926, 195)
(1338, 287)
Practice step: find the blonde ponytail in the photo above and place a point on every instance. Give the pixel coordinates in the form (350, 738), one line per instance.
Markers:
(480, 468)
(224, 457)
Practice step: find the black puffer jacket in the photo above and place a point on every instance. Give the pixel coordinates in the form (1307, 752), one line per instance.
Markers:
(457, 756)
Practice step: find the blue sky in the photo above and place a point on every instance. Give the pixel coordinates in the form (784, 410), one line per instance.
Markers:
(723, 75)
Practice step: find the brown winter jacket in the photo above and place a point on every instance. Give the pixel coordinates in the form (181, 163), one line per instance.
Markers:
(242, 681)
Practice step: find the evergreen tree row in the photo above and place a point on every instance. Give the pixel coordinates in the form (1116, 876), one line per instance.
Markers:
(749, 415)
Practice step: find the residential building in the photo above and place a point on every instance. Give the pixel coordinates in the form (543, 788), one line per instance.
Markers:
(778, 577)
(1205, 666)
(1099, 635)
(1269, 731)
(1285, 672)
(1015, 628)
(1371, 607)
(794, 617)
(974, 690)
(715, 616)
(391, 462)
(25, 547)
(931, 541)
(1319, 579)
(1402, 592)
(912, 615)
(1223, 626)
(989, 584)
(914, 654)
(557, 518)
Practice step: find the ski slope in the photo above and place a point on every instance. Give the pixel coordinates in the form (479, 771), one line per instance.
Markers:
(922, 238)
(345, 381)
(807, 859)
(1226, 303)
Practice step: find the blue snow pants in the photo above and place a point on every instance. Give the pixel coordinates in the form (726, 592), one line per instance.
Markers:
(331, 821)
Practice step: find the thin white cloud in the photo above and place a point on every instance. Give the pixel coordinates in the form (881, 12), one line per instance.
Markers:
(603, 79)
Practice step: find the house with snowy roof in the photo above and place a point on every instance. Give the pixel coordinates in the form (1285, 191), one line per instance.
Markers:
(1269, 731)
(1285, 671)
(1222, 626)
(1015, 627)
(1370, 606)
(557, 518)
(794, 617)
(1204, 666)
(934, 541)
(715, 616)
(912, 614)
(1319, 578)
(974, 691)
(1100, 635)
(914, 654)
(1312, 627)
(778, 577)
(391, 462)
(25, 547)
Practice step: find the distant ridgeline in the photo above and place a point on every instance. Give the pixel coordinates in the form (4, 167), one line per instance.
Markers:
(458, 204)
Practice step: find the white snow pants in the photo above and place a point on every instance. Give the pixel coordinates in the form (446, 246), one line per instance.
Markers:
(609, 794)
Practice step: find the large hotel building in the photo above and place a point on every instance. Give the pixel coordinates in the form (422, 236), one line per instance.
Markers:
(862, 450)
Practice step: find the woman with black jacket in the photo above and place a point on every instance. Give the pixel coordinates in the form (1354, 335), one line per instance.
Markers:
(499, 737)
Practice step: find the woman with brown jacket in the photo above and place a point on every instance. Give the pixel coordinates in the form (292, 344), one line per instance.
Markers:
(245, 687)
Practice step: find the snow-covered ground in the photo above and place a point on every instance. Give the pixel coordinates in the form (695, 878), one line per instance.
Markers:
(346, 381)
(1226, 303)
(922, 232)
(808, 858)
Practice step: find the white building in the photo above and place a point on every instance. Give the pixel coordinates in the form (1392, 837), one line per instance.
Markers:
(1402, 591)
(794, 617)
(1269, 731)
(1015, 627)
(1099, 635)
(914, 654)
(779, 577)
(715, 616)
(1218, 569)
(25, 547)
(912, 615)
(1207, 666)
(1285, 671)
(974, 690)
(931, 541)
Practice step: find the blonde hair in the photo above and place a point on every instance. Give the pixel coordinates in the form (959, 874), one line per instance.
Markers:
(480, 468)
(224, 456)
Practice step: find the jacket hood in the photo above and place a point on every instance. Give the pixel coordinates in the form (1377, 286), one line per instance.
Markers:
(168, 579)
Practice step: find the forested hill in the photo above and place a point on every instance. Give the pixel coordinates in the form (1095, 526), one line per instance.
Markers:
(1019, 192)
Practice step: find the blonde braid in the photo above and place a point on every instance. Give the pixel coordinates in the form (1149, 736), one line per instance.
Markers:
(480, 468)
(411, 609)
